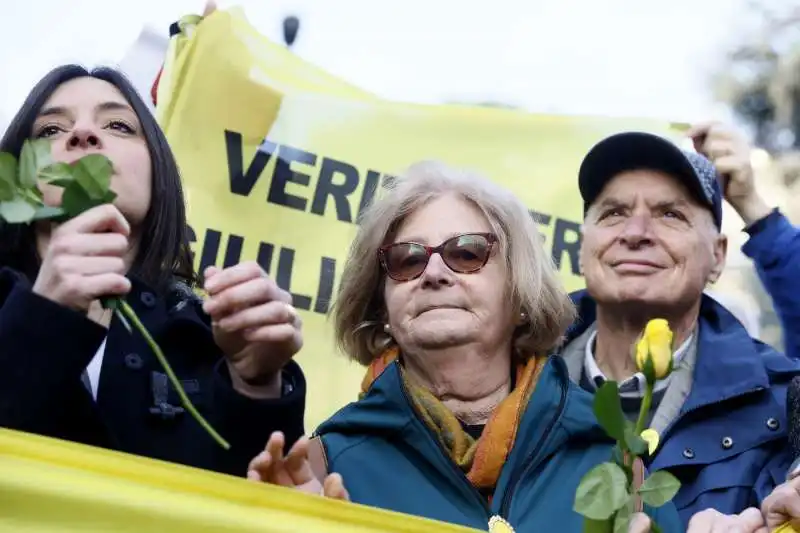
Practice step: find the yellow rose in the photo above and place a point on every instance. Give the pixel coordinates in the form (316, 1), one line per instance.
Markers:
(656, 345)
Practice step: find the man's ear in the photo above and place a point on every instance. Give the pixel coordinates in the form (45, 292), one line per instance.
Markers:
(720, 253)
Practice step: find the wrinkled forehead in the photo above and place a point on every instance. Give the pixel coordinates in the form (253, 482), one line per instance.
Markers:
(651, 187)
(439, 218)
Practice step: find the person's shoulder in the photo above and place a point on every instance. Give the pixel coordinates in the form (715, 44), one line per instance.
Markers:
(780, 368)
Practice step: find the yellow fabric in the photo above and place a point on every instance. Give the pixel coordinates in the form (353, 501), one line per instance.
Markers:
(480, 459)
(225, 76)
(51, 486)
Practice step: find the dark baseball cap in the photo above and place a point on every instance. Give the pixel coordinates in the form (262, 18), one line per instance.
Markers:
(638, 150)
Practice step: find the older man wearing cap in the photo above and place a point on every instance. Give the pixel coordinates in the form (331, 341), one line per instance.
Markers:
(651, 244)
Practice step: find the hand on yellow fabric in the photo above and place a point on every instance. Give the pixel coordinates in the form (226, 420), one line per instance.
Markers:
(293, 470)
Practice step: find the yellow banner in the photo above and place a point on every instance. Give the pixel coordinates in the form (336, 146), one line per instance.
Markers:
(278, 160)
(53, 486)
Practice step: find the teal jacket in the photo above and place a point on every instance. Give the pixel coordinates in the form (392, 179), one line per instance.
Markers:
(390, 459)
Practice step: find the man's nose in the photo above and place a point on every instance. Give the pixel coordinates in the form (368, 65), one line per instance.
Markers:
(637, 231)
(83, 139)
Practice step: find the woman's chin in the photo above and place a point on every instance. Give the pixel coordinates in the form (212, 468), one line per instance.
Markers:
(442, 335)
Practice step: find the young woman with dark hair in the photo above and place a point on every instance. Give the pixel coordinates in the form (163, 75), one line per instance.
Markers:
(68, 369)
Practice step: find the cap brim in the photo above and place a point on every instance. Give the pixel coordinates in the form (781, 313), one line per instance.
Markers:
(632, 151)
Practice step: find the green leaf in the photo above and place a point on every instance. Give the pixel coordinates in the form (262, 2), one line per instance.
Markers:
(108, 197)
(47, 212)
(17, 211)
(659, 488)
(75, 200)
(8, 176)
(623, 517)
(61, 182)
(60, 172)
(34, 157)
(636, 444)
(608, 410)
(597, 526)
(99, 166)
(93, 173)
(603, 490)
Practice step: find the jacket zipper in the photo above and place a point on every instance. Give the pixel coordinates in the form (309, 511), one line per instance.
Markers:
(533, 458)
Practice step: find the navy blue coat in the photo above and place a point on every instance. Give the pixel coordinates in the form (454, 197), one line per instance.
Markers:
(44, 349)
(728, 445)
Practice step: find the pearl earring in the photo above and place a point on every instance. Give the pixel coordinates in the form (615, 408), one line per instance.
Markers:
(523, 316)
(387, 329)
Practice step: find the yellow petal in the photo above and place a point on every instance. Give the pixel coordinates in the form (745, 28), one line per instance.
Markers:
(656, 325)
(657, 332)
(650, 436)
(642, 349)
(661, 357)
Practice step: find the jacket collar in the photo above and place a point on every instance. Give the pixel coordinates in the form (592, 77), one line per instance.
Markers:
(557, 412)
(729, 362)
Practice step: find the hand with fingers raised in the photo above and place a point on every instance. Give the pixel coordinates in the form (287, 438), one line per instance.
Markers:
(293, 470)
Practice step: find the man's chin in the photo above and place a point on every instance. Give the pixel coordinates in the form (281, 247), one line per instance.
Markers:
(635, 294)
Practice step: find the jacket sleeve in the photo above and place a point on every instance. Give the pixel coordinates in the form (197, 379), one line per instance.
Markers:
(247, 423)
(774, 247)
(44, 349)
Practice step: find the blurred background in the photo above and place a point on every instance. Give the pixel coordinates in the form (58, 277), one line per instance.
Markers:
(682, 60)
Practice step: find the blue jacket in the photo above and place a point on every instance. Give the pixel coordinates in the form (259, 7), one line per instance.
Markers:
(390, 459)
(774, 247)
(738, 393)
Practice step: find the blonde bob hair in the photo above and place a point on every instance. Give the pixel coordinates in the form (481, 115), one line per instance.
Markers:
(359, 312)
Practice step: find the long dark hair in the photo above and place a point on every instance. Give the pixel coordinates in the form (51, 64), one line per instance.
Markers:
(164, 255)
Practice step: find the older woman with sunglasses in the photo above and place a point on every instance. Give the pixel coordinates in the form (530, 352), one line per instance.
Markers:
(450, 301)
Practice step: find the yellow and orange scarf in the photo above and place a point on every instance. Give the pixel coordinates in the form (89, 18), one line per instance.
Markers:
(482, 459)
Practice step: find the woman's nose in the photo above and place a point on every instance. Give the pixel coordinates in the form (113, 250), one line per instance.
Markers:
(83, 139)
(437, 272)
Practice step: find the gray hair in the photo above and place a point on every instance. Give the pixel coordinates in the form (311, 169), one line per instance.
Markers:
(534, 286)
